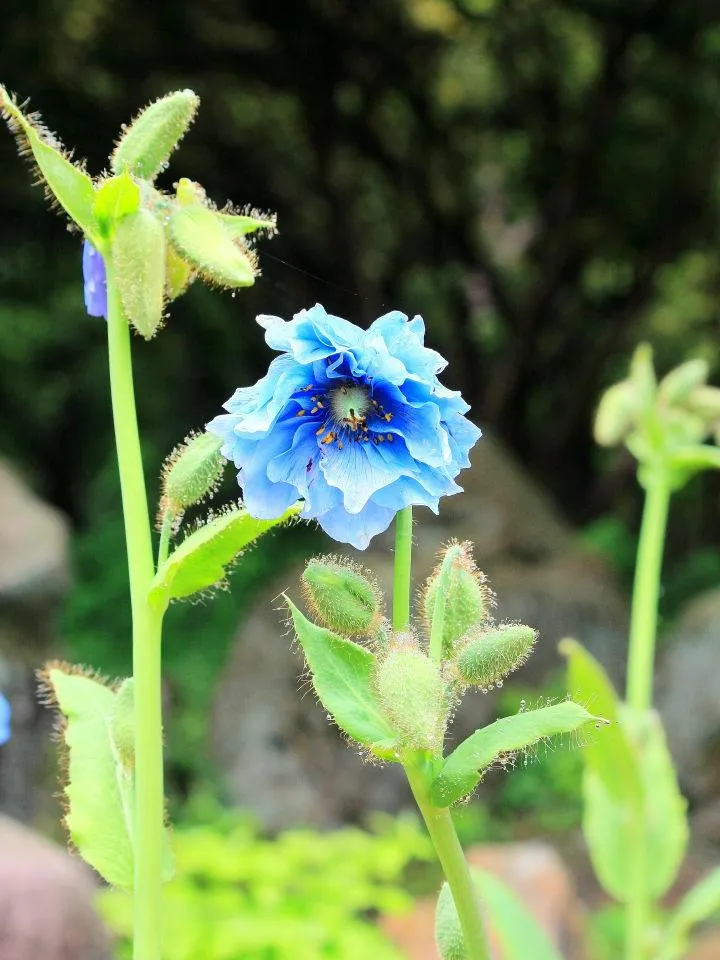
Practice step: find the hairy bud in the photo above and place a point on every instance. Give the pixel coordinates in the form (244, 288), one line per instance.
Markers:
(198, 234)
(448, 931)
(145, 146)
(342, 597)
(138, 258)
(457, 592)
(489, 655)
(705, 402)
(192, 471)
(414, 697)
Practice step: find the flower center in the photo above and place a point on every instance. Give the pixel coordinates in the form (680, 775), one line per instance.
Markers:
(350, 403)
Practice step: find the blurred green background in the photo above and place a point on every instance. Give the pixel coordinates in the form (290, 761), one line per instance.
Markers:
(538, 178)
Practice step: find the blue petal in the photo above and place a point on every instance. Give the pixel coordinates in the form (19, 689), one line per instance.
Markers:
(94, 281)
(4, 720)
(357, 529)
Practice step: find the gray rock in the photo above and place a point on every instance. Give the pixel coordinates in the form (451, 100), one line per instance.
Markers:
(271, 739)
(688, 697)
(46, 901)
(34, 576)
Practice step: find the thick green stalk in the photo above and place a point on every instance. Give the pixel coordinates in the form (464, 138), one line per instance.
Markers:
(147, 623)
(402, 579)
(441, 828)
(438, 820)
(646, 592)
(641, 670)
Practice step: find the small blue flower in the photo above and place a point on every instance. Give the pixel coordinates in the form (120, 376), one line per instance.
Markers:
(355, 422)
(4, 720)
(95, 281)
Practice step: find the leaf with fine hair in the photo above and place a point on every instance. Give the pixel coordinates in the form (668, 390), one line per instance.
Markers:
(66, 182)
(100, 780)
(343, 677)
(200, 237)
(463, 768)
(201, 560)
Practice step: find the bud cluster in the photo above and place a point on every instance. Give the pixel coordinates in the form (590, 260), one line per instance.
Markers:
(681, 409)
(418, 681)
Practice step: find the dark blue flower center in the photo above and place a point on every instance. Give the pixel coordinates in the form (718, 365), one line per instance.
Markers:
(349, 413)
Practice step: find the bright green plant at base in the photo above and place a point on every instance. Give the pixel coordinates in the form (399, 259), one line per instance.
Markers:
(301, 896)
(635, 821)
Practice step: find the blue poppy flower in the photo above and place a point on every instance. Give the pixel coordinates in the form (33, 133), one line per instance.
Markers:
(4, 720)
(355, 422)
(95, 281)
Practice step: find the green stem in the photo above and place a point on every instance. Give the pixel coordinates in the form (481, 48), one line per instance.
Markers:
(147, 624)
(641, 664)
(438, 820)
(403, 560)
(452, 860)
(646, 593)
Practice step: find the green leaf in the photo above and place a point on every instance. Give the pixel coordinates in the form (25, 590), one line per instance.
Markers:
(610, 756)
(67, 183)
(202, 558)
(145, 146)
(200, 237)
(115, 199)
(343, 677)
(240, 225)
(614, 828)
(518, 933)
(699, 904)
(462, 770)
(99, 812)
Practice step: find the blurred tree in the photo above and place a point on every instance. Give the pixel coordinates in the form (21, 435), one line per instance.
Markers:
(519, 171)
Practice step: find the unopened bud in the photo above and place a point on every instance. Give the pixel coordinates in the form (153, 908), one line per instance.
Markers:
(464, 592)
(122, 724)
(342, 597)
(677, 385)
(138, 258)
(192, 471)
(449, 937)
(489, 655)
(145, 146)
(705, 402)
(615, 416)
(199, 236)
(414, 698)
(642, 376)
(178, 274)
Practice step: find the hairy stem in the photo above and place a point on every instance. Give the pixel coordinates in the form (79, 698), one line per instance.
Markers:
(146, 634)
(452, 860)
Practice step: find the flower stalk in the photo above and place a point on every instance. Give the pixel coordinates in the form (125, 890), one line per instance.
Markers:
(438, 820)
(147, 625)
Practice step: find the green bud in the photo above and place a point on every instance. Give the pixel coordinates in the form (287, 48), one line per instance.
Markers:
(145, 146)
(122, 724)
(138, 258)
(192, 471)
(682, 427)
(189, 193)
(705, 402)
(467, 597)
(342, 597)
(615, 417)
(677, 385)
(115, 199)
(448, 931)
(489, 655)
(642, 376)
(199, 236)
(413, 695)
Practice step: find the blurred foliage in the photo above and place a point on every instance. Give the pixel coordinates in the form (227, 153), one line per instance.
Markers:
(539, 178)
(304, 895)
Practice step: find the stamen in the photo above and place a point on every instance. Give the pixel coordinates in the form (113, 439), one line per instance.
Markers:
(330, 438)
(300, 413)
